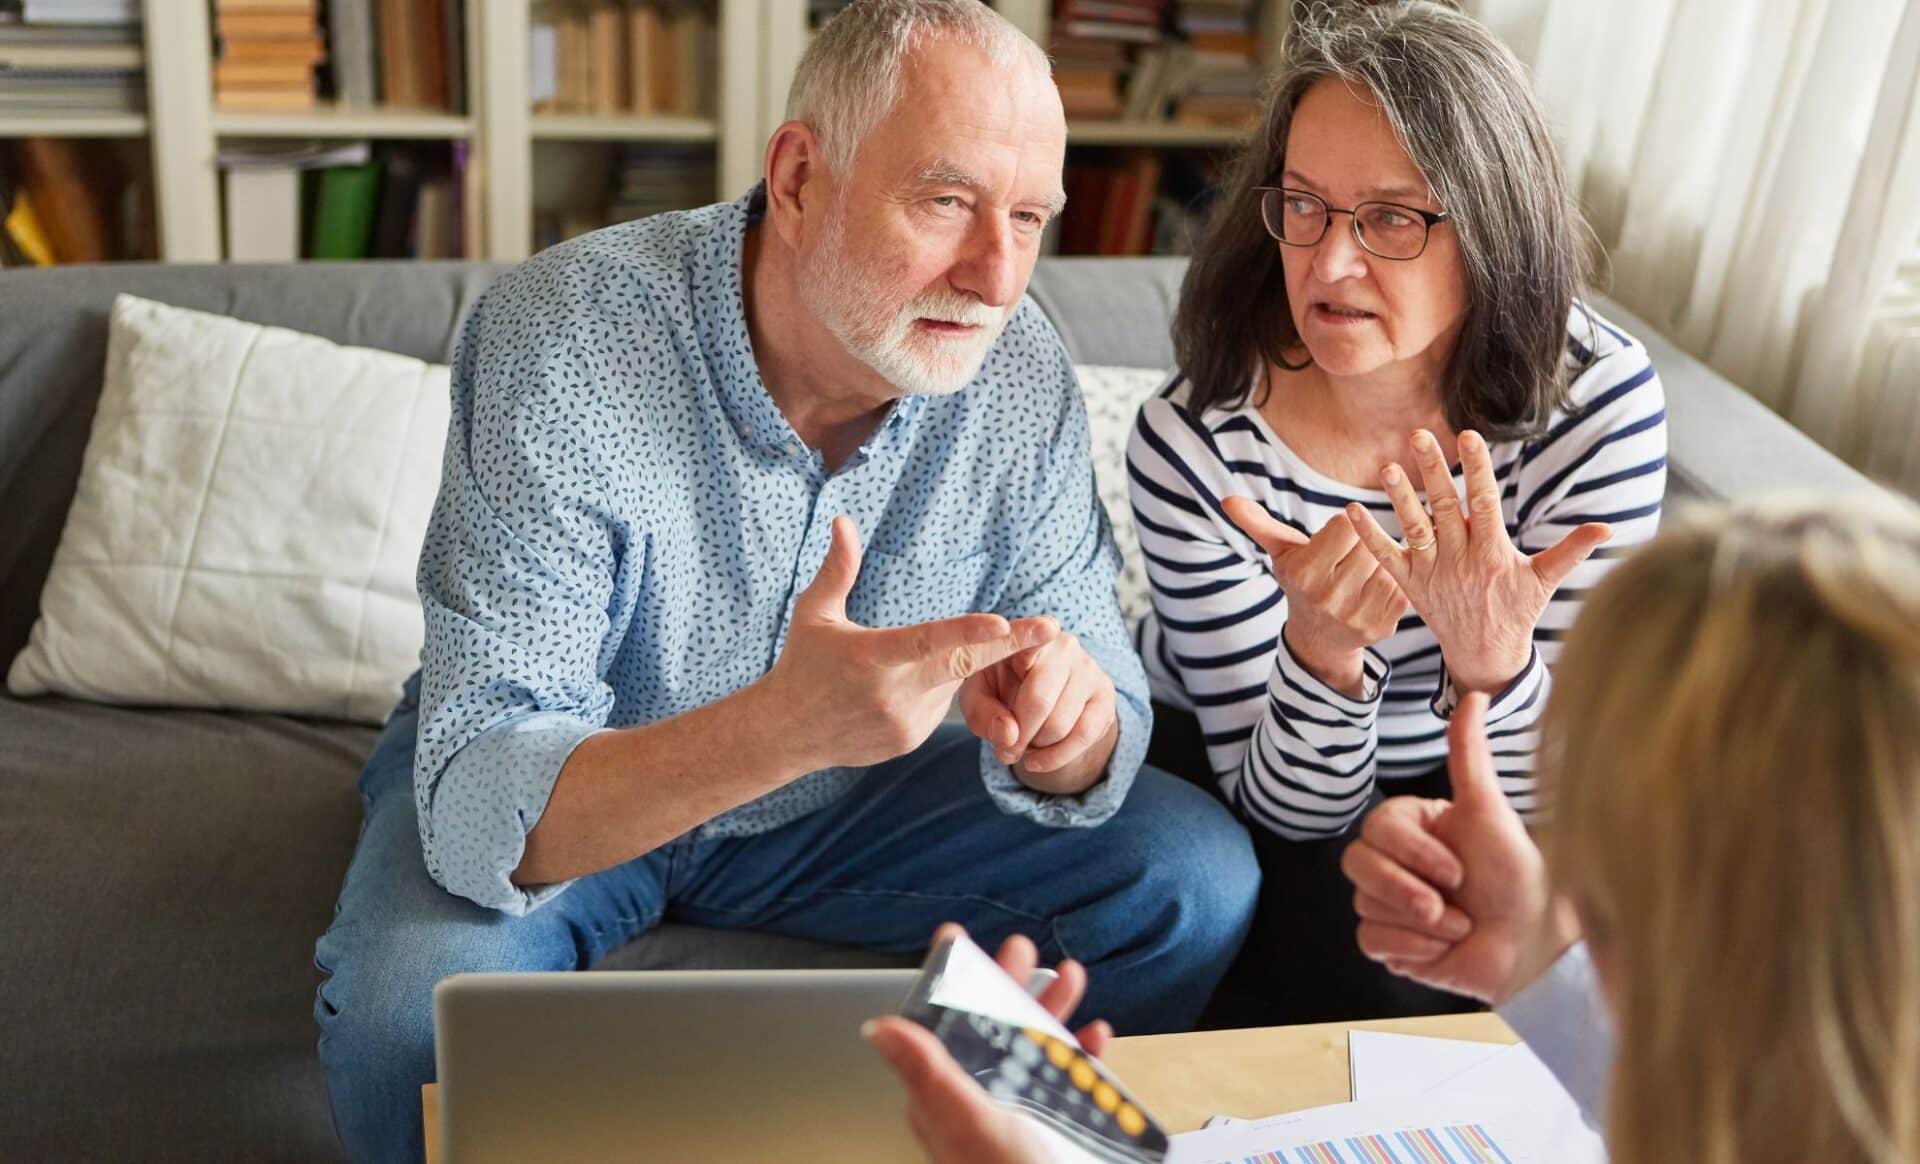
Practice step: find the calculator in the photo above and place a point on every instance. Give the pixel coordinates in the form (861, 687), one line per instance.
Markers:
(1026, 1060)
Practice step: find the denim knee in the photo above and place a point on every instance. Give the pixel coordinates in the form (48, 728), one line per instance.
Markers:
(1192, 854)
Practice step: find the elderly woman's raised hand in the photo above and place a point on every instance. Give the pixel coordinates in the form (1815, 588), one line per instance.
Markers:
(1478, 592)
(1339, 600)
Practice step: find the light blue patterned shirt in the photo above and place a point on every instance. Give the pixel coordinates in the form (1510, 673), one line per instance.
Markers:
(625, 519)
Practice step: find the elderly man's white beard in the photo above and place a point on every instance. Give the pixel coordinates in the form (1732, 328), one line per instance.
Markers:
(854, 305)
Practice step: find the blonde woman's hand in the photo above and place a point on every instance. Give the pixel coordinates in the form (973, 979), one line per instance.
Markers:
(1478, 593)
(954, 1119)
(1454, 893)
(1340, 601)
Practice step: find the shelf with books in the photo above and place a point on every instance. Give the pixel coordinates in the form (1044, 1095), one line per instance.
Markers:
(297, 56)
(577, 190)
(344, 121)
(216, 77)
(590, 127)
(71, 70)
(623, 58)
(1136, 200)
(288, 200)
(624, 110)
(67, 200)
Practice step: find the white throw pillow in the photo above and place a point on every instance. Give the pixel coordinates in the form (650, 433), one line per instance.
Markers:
(1114, 396)
(248, 519)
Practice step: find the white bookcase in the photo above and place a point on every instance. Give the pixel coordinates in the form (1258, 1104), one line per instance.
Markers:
(184, 130)
(759, 47)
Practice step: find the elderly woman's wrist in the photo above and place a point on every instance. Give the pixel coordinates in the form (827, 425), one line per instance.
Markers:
(1343, 669)
(1493, 675)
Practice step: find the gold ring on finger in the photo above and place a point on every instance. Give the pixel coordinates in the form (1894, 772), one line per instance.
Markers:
(1416, 547)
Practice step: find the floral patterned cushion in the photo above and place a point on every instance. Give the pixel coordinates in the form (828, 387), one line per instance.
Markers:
(1114, 396)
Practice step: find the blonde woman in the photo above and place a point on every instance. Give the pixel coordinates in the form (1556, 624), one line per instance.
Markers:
(1723, 934)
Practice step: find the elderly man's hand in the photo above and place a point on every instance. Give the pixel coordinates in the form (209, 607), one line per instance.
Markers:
(954, 1119)
(1455, 894)
(857, 696)
(1049, 711)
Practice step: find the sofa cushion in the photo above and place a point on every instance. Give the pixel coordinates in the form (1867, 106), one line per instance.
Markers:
(53, 348)
(1114, 396)
(167, 873)
(247, 523)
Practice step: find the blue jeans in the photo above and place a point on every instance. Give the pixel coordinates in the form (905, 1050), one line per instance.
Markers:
(1155, 902)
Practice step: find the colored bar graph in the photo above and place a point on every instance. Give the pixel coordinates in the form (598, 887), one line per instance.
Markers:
(1464, 1144)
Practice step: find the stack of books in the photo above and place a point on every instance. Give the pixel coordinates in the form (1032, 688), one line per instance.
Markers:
(1111, 201)
(1221, 82)
(267, 53)
(1136, 201)
(401, 53)
(653, 179)
(1092, 44)
(619, 58)
(647, 178)
(71, 57)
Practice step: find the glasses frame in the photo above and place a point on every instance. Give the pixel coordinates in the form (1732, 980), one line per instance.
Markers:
(1430, 218)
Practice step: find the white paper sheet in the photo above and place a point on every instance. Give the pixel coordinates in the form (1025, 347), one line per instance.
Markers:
(1404, 1083)
(1502, 1122)
(1553, 1117)
(1385, 1066)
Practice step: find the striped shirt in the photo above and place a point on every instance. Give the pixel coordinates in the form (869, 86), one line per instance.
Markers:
(1290, 752)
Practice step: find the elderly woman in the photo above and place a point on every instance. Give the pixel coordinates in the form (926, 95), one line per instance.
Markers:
(1380, 337)
(1735, 771)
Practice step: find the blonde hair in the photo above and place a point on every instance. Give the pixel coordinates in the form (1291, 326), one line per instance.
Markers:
(1732, 757)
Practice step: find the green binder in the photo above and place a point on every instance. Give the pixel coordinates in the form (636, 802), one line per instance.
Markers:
(343, 212)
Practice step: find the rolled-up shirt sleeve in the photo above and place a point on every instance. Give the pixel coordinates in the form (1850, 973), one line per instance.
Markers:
(1067, 570)
(516, 578)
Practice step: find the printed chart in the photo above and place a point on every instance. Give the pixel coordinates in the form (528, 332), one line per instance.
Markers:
(1460, 1144)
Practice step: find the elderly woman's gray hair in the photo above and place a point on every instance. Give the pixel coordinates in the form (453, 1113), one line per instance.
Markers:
(850, 76)
(1464, 112)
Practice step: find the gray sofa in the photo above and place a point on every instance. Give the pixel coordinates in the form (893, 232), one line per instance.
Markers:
(166, 872)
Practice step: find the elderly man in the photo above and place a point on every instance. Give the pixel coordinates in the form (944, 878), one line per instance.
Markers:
(662, 677)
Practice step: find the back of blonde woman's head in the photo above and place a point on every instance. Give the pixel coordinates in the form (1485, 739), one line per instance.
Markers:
(1733, 768)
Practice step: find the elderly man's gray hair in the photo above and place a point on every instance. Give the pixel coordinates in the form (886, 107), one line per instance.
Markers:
(850, 76)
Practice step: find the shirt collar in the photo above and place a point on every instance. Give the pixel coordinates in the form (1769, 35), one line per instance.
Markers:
(744, 398)
(722, 316)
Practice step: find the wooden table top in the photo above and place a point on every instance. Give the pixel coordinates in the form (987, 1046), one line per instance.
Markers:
(1186, 1079)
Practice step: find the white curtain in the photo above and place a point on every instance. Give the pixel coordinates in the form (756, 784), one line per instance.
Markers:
(1752, 168)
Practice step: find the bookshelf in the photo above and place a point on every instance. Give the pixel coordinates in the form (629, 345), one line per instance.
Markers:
(1163, 170)
(511, 149)
(184, 130)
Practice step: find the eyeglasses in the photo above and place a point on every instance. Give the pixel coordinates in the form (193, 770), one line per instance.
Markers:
(1387, 229)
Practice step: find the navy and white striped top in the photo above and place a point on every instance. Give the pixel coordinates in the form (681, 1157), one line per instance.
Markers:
(1289, 751)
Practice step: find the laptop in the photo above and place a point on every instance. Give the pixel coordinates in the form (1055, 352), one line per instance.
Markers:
(668, 1066)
